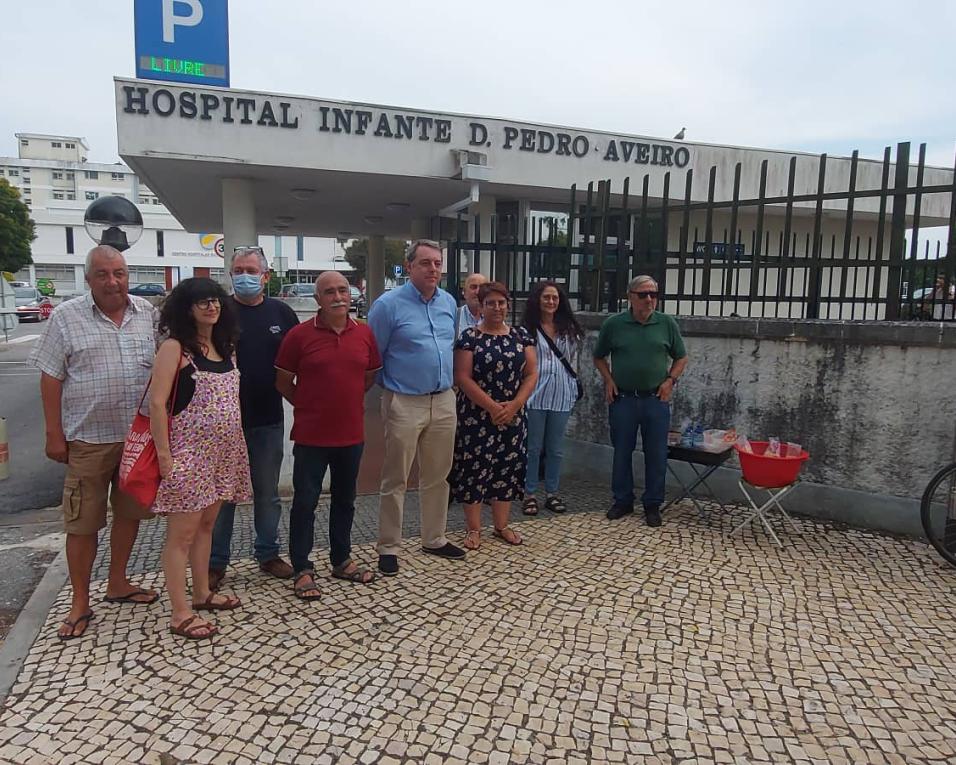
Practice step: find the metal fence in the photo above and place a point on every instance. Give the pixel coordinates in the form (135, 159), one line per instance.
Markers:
(797, 255)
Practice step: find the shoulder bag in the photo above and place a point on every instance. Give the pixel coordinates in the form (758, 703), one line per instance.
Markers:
(557, 352)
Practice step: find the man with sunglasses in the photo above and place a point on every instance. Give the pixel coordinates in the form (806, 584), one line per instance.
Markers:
(647, 357)
(263, 323)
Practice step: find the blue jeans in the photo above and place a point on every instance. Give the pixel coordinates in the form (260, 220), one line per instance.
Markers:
(653, 417)
(545, 428)
(264, 444)
(308, 472)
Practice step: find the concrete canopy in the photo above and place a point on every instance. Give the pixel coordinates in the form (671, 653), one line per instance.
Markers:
(326, 168)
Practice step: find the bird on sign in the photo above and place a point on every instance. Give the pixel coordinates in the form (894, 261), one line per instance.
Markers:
(680, 135)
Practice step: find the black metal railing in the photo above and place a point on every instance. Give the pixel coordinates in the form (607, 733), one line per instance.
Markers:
(793, 255)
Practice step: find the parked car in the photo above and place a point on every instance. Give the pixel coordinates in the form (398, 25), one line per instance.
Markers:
(147, 290)
(299, 289)
(31, 305)
(358, 300)
(46, 286)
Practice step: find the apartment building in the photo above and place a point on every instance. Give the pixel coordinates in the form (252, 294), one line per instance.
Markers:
(57, 181)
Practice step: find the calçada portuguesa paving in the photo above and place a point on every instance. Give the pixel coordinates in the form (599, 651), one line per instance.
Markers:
(596, 641)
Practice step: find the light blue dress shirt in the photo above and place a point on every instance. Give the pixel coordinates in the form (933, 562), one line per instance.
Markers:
(416, 339)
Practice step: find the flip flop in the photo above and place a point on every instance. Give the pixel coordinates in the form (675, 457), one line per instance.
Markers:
(85, 619)
(130, 597)
(210, 605)
(191, 633)
(514, 540)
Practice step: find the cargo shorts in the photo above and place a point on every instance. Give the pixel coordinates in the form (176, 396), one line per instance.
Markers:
(92, 476)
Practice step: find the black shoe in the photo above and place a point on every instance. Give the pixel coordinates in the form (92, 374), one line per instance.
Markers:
(388, 565)
(448, 551)
(618, 511)
(653, 516)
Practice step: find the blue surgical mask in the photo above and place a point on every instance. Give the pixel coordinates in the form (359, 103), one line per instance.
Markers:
(247, 285)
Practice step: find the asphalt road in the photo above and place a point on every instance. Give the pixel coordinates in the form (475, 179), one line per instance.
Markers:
(34, 482)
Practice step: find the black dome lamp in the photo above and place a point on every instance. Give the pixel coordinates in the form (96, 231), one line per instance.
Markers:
(113, 221)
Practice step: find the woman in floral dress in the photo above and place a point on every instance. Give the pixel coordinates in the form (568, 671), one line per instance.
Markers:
(202, 453)
(495, 371)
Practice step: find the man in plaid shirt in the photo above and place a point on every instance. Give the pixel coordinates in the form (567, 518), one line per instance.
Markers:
(95, 359)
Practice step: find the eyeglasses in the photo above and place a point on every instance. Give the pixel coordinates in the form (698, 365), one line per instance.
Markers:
(207, 303)
(248, 248)
(642, 295)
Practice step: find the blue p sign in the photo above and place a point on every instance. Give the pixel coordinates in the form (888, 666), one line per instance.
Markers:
(183, 41)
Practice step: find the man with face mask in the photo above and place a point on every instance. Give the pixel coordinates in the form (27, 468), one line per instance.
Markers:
(263, 322)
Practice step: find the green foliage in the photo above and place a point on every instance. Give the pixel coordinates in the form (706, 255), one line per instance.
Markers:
(357, 254)
(17, 229)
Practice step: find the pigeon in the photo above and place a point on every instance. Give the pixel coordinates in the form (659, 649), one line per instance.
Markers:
(680, 135)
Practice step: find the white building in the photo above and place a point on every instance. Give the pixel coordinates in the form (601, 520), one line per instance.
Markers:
(57, 181)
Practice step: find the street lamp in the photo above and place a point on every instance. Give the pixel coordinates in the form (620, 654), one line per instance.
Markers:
(113, 221)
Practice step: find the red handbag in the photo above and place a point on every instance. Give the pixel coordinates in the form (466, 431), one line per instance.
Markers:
(139, 466)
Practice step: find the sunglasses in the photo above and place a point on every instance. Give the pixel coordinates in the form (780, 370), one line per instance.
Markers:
(642, 295)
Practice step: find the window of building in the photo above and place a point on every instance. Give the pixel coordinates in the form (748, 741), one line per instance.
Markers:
(155, 201)
(91, 195)
(71, 196)
(58, 195)
(117, 176)
(160, 244)
(24, 142)
(143, 200)
(70, 145)
(1, 171)
(69, 240)
(14, 172)
(26, 181)
(147, 275)
(91, 175)
(69, 175)
(56, 144)
(57, 176)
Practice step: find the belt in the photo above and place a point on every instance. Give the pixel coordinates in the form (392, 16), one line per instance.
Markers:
(638, 393)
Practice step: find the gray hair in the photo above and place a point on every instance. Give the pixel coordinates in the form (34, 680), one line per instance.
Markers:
(100, 249)
(637, 281)
(413, 248)
(245, 252)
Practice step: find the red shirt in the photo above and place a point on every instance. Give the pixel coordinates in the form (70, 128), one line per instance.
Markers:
(330, 372)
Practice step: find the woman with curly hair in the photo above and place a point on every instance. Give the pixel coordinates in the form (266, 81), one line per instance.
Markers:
(548, 318)
(201, 451)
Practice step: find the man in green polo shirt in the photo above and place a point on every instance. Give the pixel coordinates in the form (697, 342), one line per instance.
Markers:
(647, 357)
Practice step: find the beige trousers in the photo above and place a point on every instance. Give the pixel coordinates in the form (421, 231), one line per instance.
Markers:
(422, 426)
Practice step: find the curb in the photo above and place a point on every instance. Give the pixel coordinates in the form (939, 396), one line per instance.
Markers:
(25, 629)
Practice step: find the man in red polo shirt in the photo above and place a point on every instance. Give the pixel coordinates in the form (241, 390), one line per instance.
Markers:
(323, 368)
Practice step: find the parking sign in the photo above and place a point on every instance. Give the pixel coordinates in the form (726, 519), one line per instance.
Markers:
(183, 41)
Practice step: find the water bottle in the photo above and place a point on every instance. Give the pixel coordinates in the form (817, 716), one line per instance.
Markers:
(698, 438)
(687, 437)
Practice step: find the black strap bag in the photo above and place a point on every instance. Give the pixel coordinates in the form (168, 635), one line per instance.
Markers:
(557, 352)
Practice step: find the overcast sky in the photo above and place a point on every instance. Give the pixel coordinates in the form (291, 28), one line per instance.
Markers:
(816, 76)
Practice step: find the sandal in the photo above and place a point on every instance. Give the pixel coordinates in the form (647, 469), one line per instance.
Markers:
(230, 602)
(472, 539)
(554, 504)
(191, 631)
(530, 505)
(136, 596)
(85, 620)
(509, 535)
(357, 575)
(301, 590)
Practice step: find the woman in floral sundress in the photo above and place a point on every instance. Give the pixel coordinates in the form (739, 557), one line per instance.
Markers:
(203, 460)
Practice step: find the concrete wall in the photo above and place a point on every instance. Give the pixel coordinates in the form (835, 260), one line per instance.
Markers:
(872, 402)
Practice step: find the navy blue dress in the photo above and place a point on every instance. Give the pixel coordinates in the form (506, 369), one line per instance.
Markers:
(491, 460)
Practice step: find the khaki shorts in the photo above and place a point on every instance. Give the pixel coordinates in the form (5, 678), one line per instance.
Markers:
(93, 475)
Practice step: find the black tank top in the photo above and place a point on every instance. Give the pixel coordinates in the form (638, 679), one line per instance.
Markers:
(186, 386)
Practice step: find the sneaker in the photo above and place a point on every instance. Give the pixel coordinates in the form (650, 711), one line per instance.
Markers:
(277, 568)
(388, 565)
(216, 575)
(618, 511)
(653, 516)
(448, 551)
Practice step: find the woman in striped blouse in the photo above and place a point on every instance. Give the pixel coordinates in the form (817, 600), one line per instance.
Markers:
(548, 317)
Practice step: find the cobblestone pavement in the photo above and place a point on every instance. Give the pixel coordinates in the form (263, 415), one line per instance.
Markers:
(596, 641)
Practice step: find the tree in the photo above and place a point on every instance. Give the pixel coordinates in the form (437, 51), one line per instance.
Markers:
(357, 255)
(17, 229)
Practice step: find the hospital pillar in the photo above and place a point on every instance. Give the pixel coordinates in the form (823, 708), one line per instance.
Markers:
(238, 220)
(375, 269)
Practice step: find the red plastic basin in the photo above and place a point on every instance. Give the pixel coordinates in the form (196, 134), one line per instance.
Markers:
(769, 472)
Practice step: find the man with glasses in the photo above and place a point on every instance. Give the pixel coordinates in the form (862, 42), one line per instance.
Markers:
(263, 322)
(647, 357)
(414, 327)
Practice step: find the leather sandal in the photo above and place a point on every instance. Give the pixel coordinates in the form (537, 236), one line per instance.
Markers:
(301, 590)
(509, 535)
(530, 505)
(187, 629)
(472, 540)
(357, 575)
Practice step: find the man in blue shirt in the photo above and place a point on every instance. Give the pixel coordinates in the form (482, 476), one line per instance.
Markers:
(414, 327)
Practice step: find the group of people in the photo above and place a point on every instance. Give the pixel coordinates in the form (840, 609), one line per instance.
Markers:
(476, 401)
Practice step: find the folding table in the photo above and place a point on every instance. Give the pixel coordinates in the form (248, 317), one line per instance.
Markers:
(703, 463)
